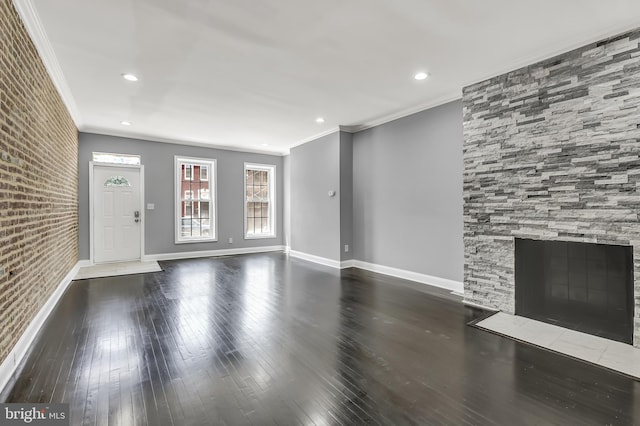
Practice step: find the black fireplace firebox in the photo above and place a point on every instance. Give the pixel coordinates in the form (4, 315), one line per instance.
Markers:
(582, 286)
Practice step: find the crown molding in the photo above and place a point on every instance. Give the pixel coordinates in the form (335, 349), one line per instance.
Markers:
(354, 128)
(524, 61)
(540, 56)
(153, 138)
(316, 136)
(36, 31)
(348, 129)
(449, 97)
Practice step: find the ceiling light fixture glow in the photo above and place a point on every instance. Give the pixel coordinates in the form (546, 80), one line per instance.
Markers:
(265, 144)
(129, 77)
(421, 76)
(125, 123)
(319, 120)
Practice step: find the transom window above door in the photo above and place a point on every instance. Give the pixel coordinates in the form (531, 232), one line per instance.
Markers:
(112, 158)
(195, 208)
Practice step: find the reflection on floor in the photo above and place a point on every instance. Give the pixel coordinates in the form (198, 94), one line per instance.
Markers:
(267, 339)
(597, 350)
(115, 269)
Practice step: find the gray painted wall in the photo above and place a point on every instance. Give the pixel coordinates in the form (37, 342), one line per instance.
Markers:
(286, 166)
(407, 184)
(158, 160)
(346, 195)
(315, 217)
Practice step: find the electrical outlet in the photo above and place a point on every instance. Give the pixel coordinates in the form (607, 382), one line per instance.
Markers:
(230, 240)
(346, 248)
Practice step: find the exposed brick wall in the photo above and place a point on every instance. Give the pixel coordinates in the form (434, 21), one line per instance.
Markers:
(38, 182)
(552, 152)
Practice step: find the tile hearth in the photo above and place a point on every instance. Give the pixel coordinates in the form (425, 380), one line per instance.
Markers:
(115, 269)
(596, 350)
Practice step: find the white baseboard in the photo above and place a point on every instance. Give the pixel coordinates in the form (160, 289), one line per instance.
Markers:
(84, 263)
(347, 264)
(477, 305)
(11, 362)
(320, 260)
(454, 286)
(211, 253)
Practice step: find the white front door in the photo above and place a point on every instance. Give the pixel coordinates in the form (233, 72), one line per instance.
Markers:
(117, 218)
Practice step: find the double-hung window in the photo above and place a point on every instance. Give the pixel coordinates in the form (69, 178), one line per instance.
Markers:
(259, 206)
(195, 189)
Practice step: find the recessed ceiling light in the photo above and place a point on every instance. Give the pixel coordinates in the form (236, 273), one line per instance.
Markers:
(125, 123)
(319, 120)
(421, 76)
(129, 77)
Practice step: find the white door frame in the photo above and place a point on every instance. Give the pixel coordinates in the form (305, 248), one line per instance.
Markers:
(91, 210)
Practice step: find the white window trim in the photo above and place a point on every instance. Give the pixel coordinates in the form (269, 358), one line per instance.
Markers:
(271, 168)
(213, 183)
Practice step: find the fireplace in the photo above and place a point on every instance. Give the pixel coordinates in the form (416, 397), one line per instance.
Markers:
(582, 286)
(551, 153)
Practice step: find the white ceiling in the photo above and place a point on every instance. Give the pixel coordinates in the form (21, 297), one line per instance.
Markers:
(245, 73)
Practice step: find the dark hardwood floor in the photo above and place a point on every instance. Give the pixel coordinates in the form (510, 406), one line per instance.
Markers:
(263, 339)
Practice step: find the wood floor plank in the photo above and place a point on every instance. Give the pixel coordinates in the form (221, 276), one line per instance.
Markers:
(268, 340)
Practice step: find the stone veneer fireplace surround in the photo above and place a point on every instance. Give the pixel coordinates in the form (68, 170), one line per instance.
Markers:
(552, 152)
